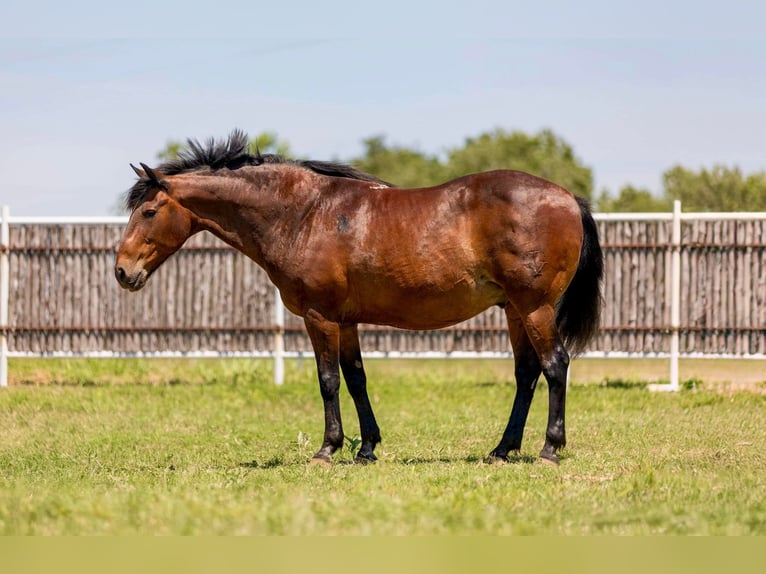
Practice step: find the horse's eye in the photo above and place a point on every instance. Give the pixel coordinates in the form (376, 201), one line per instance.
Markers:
(149, 213)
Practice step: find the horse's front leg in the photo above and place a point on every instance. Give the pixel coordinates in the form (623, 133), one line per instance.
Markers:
(325, 338)
(356, 381)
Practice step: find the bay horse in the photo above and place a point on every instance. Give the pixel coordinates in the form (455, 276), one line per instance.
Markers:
(345, 247)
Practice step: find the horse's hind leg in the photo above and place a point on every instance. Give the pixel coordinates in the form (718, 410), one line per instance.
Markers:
(540, 325)
(356, 381)
(527, 371)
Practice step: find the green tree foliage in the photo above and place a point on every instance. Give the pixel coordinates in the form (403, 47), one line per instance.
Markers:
(399, 165)
(269, 142)
(265, 142)
(170, 151)
(543, 154)
(717, 189)
(633, 199)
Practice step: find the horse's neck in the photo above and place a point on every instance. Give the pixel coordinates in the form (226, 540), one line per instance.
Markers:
(243, 211)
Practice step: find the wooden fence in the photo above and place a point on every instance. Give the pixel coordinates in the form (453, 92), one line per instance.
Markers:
(62, 298)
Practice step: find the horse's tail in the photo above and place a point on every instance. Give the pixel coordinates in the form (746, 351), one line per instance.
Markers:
(579, 309)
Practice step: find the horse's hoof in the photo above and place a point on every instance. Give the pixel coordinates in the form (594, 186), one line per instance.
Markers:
(549, 458)
(365, 458)
(319, 461)
(495, 459)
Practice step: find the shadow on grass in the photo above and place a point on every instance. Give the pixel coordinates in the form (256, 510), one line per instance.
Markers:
(512, 459)
(624, 384)
(274, 462)
(278, 462)
(103, 383)
(59, 383)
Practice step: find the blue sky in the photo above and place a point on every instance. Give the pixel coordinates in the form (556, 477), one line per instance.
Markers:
(86, 88)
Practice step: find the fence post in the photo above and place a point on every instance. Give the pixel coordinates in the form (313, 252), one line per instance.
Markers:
(279, 340)
(5, 284)
(675, 302)
(675, 296)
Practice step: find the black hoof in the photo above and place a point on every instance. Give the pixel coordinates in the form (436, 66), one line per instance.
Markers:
(493, 458)
(550, 458)
(499, 454)
(365, 458)
(320, 461)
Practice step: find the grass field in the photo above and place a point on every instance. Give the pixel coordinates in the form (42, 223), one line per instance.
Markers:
(213, 447)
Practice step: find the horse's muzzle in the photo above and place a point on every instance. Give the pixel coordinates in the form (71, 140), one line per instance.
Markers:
(131, 282)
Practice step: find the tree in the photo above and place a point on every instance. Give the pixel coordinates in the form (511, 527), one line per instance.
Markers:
(399, 165)
(717, 189)
(633, 199)
(269, 142)
(171, 150)
(543, 154)
(264, 142)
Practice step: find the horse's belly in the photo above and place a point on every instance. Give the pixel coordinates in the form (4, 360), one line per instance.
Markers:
(429, 307)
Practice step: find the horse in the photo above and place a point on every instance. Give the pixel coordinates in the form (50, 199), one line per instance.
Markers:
(345, 247)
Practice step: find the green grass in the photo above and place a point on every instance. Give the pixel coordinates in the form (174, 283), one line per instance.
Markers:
(212, 447)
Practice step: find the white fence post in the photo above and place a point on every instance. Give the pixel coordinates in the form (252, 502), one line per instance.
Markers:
(5, 284)
(675, 297)
(675, 302)
(279, 339)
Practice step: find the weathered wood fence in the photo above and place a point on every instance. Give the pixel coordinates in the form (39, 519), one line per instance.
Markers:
(60, 296)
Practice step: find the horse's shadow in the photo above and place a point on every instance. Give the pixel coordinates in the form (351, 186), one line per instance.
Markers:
(473, 459)
(274, 462)
(277, 462)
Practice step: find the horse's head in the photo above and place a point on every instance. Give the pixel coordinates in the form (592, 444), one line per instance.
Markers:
(157, 228)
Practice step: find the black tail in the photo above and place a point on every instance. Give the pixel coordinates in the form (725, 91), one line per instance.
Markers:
(579, 310)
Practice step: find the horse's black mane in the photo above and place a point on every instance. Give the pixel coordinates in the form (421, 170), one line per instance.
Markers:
(232, 153)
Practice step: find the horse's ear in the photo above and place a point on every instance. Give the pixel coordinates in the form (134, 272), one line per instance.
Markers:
(152, 176)
(139, 173)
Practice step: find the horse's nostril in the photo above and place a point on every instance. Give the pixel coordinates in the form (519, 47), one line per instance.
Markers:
(120, 273)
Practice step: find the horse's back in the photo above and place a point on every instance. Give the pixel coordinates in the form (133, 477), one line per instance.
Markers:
(431, 257)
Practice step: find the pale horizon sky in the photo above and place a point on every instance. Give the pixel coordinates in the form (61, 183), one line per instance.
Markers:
(634, 91)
